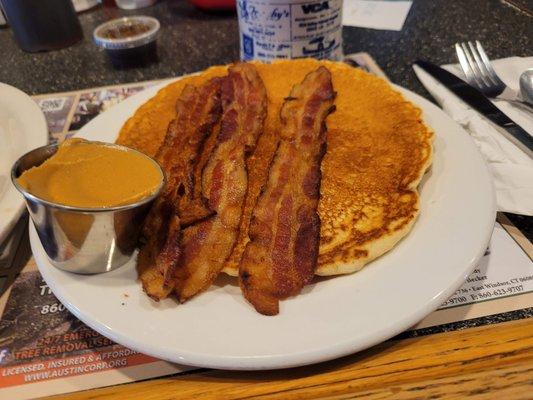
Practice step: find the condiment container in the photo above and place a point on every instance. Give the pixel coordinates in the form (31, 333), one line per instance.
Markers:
(42, 25)
(129, 41)
(274, 29)
(134, 4)
(83, 240)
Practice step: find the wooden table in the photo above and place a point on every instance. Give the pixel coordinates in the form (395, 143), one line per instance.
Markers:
(488, 362)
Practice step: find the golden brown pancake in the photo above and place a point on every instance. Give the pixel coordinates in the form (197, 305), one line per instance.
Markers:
(378, 150)
(147, 128)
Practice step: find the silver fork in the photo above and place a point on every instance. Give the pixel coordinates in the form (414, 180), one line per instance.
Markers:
(480, 74)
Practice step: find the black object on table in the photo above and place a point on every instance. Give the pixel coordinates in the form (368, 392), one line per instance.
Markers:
(43, 25)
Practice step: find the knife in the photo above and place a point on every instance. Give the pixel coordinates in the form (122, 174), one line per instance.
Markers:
(475, 99)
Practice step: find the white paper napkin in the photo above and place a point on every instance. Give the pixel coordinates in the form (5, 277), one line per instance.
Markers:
(511, 168)
(376, 14)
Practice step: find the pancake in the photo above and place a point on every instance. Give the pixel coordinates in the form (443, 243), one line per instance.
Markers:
(147, 128)
(378, 151)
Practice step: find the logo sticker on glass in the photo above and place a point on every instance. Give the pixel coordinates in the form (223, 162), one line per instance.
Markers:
(247, 47)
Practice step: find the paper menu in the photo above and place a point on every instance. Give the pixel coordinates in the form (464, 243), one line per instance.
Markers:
(44, 349)
(504, 271)
(502, 282)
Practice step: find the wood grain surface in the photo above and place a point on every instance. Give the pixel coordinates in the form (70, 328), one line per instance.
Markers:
(488, 362)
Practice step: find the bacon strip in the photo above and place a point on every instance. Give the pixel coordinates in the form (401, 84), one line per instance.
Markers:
(180, 203)
(281, 256)
(208, 244)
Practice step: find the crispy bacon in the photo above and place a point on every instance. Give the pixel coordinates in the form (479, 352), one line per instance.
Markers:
(180, 203)
(282, 254)
(208, 244)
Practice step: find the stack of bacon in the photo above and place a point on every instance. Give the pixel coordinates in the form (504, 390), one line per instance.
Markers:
(193, 226)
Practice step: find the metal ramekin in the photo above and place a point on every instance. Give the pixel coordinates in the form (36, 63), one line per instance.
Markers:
(83, 240)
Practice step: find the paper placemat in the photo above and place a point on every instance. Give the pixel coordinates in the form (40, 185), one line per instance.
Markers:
(40, 341)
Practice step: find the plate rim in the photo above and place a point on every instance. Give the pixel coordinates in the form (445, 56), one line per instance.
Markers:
(266, 362)
(6, 226)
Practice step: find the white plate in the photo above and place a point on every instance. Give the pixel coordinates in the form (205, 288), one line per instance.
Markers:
(22, 128)
(330, 319)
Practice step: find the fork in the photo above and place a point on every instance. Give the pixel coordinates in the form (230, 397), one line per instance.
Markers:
(480, 74)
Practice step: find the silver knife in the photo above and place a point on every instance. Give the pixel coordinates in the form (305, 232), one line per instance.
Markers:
(475, 99)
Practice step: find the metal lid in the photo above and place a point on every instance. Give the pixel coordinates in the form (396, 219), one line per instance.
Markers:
(128, 42)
